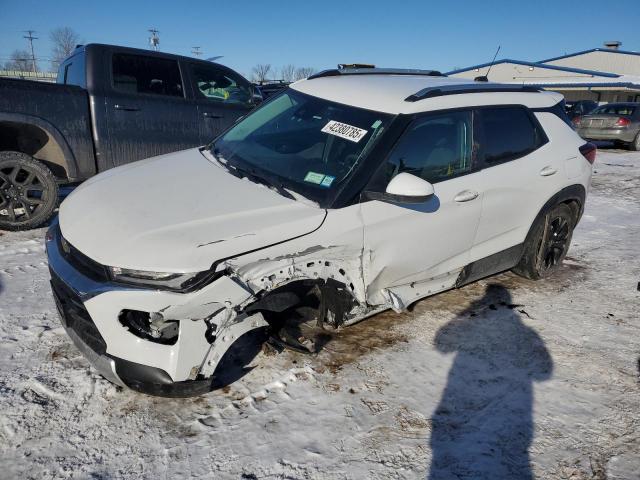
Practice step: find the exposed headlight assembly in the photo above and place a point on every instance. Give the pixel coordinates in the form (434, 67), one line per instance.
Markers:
(177, 282)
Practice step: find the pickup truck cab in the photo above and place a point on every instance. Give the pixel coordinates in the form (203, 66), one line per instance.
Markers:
(111, 106)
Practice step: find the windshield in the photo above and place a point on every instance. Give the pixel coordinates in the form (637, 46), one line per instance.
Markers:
(614, 110)
(307, 144)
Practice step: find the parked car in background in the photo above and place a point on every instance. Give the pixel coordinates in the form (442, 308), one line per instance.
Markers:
(349, 193)
(579, 108)
(112, 105)
(617, 122)
(269, 88)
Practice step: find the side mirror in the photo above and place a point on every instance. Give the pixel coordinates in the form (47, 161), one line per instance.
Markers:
(405, 188)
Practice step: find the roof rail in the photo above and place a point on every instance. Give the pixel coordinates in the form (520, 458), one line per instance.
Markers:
(334, 72)
(458, 89)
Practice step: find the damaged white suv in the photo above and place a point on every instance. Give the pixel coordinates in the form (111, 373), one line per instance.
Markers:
(351, 192)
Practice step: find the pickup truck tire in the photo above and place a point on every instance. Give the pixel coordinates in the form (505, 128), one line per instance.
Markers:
(547, 244)
(28, 192)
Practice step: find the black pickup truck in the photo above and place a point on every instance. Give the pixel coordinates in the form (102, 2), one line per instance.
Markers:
(111, 105)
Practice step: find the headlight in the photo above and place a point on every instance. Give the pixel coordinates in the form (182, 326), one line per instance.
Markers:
(179, 282)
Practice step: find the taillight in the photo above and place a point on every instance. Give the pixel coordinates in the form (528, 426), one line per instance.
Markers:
(588, 151)
(623, 122)
(577, 121)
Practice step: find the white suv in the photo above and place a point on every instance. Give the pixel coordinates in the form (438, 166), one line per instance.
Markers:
(354, 191)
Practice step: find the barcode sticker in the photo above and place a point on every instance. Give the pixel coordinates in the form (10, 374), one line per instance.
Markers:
(343, 130)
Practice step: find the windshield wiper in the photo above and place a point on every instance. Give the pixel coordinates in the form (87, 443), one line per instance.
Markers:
(250, 174)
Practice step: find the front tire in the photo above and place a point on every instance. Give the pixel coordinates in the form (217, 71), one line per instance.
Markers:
(28, 192)
(547, 243)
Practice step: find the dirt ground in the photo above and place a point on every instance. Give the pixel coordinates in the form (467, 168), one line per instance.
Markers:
(504, 378)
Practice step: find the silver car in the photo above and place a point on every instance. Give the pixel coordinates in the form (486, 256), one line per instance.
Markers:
(618, 122)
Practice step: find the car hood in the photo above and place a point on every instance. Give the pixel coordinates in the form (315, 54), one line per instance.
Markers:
(178, 213)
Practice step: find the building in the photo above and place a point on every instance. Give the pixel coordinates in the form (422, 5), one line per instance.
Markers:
(601, 74)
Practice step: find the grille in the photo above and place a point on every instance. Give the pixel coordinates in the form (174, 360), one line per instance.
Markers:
(88, 267)
(75, 316)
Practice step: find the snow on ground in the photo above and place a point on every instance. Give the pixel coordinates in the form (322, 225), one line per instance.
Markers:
(504, 378)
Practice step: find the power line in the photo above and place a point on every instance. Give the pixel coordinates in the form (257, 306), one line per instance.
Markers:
(29, 36)
(154, 39)
(196, 51)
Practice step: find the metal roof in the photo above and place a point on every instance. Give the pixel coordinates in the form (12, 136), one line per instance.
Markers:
(536, 65)
(606, 50)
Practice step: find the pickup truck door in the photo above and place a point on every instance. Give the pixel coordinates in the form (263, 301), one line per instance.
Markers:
(147, 110)
(222, 97)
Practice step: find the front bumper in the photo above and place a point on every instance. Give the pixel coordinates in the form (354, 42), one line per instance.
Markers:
(89, 310)
(613, 134)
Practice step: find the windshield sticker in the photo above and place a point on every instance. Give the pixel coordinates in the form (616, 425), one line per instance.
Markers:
(343, 130)
(313, 177)
(376, 124)
(327, 181)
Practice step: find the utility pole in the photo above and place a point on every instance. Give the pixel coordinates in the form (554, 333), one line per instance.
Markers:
(154, 39)
(196, 51)
(29, 36)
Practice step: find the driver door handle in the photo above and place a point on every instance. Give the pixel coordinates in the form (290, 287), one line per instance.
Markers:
(211, 115)
(547, 171)
(466, 196)
(126, 108)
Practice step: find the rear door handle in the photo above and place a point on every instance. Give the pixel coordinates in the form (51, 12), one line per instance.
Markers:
(211, 115)
(547, 171)
(466, 196)
(126, 108)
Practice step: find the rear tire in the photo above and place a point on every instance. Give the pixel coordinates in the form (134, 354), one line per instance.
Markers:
(547, 243)
(635, 145)
(28, 192)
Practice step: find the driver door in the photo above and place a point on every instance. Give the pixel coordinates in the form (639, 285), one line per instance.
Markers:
(417, 249)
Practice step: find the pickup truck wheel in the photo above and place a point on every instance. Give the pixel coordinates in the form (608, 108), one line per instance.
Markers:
(28, 192)
(547, 244)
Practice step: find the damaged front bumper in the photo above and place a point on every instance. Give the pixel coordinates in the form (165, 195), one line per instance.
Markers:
(207, 325)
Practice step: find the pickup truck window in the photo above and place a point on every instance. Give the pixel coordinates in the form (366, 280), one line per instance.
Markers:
(218, 85)
(146, 75)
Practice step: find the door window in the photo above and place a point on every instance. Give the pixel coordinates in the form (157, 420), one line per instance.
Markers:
(218, 85)
(509, 133)
(436, 148)
(147, 75)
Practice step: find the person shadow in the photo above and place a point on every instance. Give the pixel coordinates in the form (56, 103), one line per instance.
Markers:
(483, 425)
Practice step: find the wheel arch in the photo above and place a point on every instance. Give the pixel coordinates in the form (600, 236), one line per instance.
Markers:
(574, 196)
(40, 139)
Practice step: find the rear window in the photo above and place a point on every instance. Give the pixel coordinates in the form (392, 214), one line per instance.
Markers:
(72, 71)
(509, 133)
(615, 110)
(148, 75)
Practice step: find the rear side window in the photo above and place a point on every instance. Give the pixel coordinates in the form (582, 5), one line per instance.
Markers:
(508, 133)
(148, 75)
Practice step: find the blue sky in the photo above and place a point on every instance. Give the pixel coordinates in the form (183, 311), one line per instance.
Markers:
(440, 34)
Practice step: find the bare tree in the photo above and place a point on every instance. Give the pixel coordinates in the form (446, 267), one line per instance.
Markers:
(19, 60)
(64, 41)
(288, 73)
(261, 72)
(304, 72)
